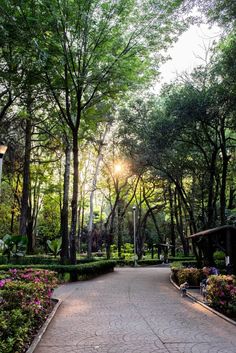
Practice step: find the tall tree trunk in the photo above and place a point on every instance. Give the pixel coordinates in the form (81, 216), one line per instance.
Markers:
(225, 162)
(120, 220)
(172, 226)
(179, 223)
(15, 202)
(33, 210)
(210, 205)
(26, 176)
(64, 211)
(232, 193)
(74, 202)
(94, 187)
(188, 207)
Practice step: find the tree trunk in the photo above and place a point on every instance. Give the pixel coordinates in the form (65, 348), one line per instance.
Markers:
(64, 211)
(231, 204)
(26, 176)
(179, 223)
(120, 220)
(179, 188)
(210, 206)
(94, 187)
(172, 226)
(225, 162)
(74, 202)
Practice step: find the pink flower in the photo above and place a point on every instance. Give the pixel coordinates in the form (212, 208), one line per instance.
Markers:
(13, 271)
(2, 283)
(37, 302)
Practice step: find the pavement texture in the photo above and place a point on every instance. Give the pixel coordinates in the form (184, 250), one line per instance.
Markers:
(133, 310)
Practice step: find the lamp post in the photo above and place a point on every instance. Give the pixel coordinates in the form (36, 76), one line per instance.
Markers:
(134, 219)
(3, 150)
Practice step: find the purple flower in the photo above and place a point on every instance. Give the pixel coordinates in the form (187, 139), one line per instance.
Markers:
(2, 283)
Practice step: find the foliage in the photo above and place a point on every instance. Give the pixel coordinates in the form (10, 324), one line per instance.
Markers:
(127, 251)
(14, 245)
(176, 265)
(219, 259)
(85, 270)
(191, 275)
(25, 299)
(54, 246)
(69, 68)
(221, 293)
(146, 262)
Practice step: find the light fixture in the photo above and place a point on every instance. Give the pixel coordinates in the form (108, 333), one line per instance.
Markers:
(3, 149)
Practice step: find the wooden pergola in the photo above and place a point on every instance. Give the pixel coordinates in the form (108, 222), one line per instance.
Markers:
(205, 243)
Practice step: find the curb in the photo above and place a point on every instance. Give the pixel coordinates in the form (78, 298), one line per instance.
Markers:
(42, 330)
(204, 305)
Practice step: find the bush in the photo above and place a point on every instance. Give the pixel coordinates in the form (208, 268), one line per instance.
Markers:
(145, 262)
(191, 275)
(82, 271)
(36, 260)
(181, 258)
(221, 293)
(219, 258)
(25, 303)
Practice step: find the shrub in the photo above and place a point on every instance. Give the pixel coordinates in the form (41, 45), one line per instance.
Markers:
(221, 293)
(177, 265)
(144, 262)
(25, 301)
(219, 258)
(82, 271)
(191, 275)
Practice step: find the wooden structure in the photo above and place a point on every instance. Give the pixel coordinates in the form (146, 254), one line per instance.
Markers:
(205, 243)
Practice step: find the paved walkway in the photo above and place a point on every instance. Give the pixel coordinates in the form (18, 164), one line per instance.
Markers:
(134, 310)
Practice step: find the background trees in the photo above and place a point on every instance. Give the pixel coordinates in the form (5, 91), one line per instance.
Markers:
(69, 69)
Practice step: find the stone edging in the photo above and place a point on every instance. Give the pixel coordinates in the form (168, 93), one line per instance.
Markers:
(44, 327)
(204, 305)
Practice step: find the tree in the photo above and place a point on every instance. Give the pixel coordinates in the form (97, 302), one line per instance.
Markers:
(92, 51)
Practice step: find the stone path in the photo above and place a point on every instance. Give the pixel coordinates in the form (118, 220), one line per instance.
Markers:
(133, 310)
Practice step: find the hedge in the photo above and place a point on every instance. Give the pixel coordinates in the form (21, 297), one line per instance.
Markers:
(36, 260)
(181, 258)
(79, 271)
(146, 262)
(191, 275)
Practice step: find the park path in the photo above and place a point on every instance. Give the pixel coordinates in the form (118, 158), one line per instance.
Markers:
(133, 310)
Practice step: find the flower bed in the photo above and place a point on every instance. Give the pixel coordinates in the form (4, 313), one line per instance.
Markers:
(25, 302)
(221, 294)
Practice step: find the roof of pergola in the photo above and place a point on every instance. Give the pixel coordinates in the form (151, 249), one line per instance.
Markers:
(213, 231)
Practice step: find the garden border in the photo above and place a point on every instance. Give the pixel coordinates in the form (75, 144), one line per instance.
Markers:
(202, 304)
(43, 328)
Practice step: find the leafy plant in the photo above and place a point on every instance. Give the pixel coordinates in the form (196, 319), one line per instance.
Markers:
(14, 245)
(54, 246)
(219, 258)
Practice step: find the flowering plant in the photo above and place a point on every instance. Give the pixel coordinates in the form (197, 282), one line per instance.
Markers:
(25, 297)
(221, 293)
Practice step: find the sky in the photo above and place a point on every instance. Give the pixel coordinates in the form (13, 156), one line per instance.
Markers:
(186, 52)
